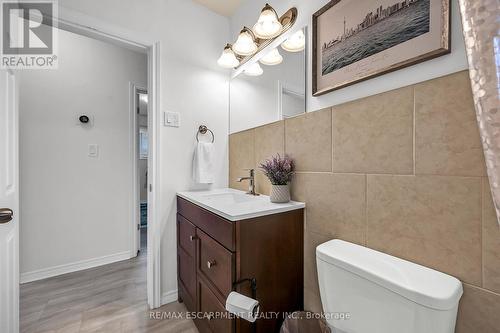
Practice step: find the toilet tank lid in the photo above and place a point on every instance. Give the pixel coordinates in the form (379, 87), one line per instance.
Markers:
(420, 284)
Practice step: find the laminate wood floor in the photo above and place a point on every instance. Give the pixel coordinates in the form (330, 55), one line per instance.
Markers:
(109, 298)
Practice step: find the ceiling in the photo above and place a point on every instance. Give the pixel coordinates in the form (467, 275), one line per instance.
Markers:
(222, 7)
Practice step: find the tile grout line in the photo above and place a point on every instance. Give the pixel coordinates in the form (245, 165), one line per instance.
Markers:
(481, 288)
(386, 174)
(414, 133)
(366, 210)
(332, 140)
(481, 203)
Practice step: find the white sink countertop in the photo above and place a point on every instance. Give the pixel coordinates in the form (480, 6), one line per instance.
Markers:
(235, 205)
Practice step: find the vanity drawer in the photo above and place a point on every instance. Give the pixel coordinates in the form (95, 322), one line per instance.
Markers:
(214, 310)
(217, 227)
(216, 263)
(186, 235)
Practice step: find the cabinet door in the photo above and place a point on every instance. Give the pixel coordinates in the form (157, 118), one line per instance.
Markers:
(186, 262)
(186, 235)
(217, 319)
(187, 279)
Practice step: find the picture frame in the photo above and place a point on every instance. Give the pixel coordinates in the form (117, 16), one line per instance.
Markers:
(356, 40)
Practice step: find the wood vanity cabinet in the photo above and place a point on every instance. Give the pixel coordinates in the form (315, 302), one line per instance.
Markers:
(213, 253)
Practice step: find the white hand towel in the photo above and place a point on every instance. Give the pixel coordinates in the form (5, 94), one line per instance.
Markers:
(203, 163)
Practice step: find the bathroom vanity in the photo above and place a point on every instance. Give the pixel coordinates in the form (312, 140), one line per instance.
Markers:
(226, 236)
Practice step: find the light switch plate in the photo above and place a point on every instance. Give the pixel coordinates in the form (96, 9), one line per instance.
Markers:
(93, 150)
(171, 119)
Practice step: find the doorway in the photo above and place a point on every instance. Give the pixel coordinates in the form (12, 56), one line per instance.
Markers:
(76, 172)
(76, 167)
(84, 26)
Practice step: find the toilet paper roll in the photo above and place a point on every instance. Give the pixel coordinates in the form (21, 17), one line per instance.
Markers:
(242, 306)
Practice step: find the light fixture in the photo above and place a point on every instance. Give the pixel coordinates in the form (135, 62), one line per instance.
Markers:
(251, 45)
(245, 44)
(295, 43)
(228, 58)
(268, 26)
(254, 70)
(272, 58)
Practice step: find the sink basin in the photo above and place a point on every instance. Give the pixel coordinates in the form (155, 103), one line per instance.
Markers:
(228, 198)
(235, 205)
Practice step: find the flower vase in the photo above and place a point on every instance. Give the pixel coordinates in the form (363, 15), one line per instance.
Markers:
(280, 193)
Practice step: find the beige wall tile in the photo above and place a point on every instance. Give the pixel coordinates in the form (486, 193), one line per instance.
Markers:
(298, 187)
(446, 133)
(443, 222)
(478, 312)
(491, 242)
(335, 204)
(431, 220)
(241, 157)
(375, 134)
(269, 141)
(312, 301)
(308, 139)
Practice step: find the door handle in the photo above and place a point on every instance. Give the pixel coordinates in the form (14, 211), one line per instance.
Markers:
(6, 215)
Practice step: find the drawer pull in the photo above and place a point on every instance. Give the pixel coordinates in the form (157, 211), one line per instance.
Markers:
(193, 238)
(211, 263)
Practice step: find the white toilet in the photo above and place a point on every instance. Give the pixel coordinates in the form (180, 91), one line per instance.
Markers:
(365, 291)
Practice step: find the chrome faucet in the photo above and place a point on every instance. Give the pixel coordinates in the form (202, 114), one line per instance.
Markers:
(251, 185)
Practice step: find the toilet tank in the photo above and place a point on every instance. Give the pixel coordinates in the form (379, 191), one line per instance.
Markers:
(366, 291)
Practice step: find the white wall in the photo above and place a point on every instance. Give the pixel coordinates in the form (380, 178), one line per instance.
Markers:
(248, 13)
(192, 39)
(74, 207)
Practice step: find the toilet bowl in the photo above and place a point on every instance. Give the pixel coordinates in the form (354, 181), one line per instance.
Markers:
(366, 291)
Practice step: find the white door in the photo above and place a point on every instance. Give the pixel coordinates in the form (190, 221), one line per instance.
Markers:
(9, 205)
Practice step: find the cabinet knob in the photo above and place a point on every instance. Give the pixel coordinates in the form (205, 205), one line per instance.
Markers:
(192, 238)
(211, 263)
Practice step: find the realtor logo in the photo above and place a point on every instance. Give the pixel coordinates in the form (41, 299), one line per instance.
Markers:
(28, 34)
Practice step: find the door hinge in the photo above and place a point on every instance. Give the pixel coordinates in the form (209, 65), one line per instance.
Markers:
(150, 188)
(138, 227)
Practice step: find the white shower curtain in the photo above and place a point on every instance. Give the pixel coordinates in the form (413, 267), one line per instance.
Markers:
(481, 27)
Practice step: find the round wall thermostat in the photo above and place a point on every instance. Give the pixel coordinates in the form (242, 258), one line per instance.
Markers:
(84, 119)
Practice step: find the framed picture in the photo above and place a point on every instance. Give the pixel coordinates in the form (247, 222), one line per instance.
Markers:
(354, 40)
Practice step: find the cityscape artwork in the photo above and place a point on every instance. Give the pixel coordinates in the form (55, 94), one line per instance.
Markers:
(358, 39)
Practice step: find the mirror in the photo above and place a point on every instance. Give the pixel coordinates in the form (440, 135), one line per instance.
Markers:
(278, 93)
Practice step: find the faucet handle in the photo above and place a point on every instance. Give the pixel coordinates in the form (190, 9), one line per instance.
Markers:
(252, 171)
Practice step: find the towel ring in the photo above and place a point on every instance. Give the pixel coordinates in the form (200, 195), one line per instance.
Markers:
(203, 130)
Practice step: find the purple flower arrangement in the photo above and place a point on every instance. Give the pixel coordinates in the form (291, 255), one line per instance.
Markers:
(279, 170)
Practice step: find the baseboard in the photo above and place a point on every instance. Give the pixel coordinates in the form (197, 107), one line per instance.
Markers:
(73, 267)
(169, 297)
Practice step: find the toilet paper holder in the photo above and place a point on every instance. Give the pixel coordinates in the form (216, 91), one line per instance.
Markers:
(253, 285)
